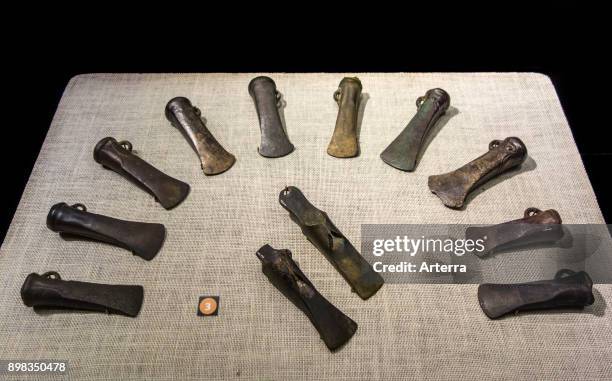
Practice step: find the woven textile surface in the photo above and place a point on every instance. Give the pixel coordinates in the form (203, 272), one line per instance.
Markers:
(405, 331)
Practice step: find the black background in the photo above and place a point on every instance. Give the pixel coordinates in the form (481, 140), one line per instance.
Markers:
(566, 43)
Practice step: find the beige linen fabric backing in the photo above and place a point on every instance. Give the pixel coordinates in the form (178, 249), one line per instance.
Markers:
(405, 331)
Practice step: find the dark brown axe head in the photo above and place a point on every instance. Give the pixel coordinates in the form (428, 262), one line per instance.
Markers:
(141, 238)
(335, 328)
(49, 291)
(118, 157)
(453, 187)
(188, 119)
(329, 240)
(536, 227)
(568, 289)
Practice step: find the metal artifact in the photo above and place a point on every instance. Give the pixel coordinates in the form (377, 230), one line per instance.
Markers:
(344, 142)
(141, 238)
(536, 227)
(453, 187)
(404, 151)
(334, 327)
(268, 100)
(329, 240)
(49, 291)
(188, 119)
(118, 156)
(568, 289)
